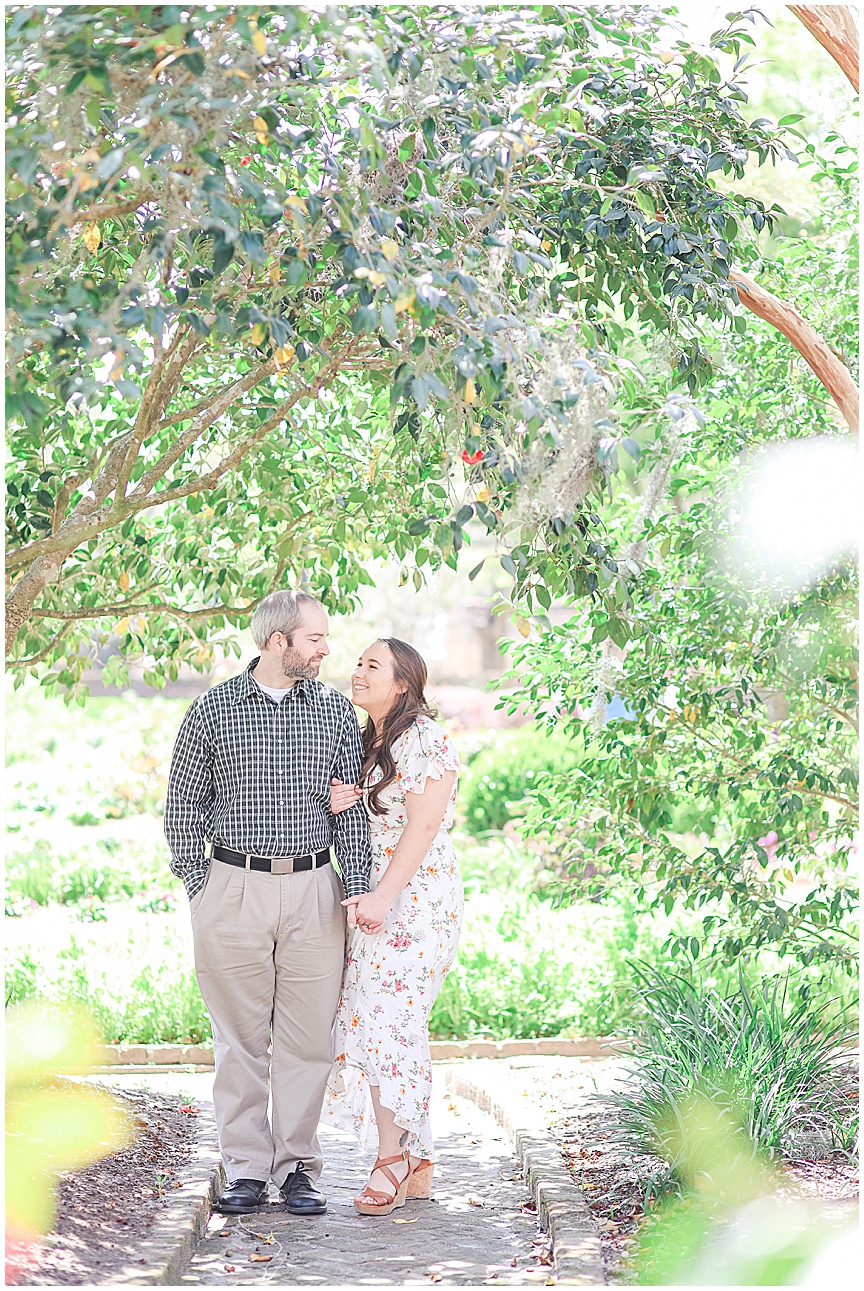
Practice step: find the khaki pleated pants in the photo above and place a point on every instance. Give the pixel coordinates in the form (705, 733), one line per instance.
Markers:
(269, 953)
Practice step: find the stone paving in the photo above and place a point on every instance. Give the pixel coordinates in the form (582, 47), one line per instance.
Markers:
(479, 1229)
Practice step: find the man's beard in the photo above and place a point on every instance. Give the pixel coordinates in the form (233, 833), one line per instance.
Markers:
(294, 665)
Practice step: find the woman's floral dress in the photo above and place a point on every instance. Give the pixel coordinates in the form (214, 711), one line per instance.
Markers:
(393, 977)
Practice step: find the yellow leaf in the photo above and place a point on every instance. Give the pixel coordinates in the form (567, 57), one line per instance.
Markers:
(483, 494)
(262, 138)
(407, 1221)
(86, 180)
(547, 246)
(236, 71)
(523, 625)
(259, 42)
(297, 204)
(275, 272)
(362, 272)
(284, 354)
(377, 278)
(122, 627)
(124, 580)
(389, 249)
(92, 237)
(259, 332)
(142, 622)
(255, 1258)
(404, 300)
(260, 124)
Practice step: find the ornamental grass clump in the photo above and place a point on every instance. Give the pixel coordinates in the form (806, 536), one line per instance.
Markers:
(779, 1072)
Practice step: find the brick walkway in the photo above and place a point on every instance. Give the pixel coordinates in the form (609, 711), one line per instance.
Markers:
(473, 1232)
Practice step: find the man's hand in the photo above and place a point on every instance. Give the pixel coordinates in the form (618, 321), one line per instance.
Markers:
(367, 912)
(343, 796)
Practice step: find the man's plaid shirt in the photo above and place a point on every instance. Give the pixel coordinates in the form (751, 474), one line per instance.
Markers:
(254, 775)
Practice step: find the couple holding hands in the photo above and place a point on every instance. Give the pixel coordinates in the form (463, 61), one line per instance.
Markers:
(270, 768)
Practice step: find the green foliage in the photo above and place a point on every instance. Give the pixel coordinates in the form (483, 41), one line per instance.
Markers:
(493, 789)
(271, 276)
(527, 968)
(740, 706)
(780, 1072)
(42, 876)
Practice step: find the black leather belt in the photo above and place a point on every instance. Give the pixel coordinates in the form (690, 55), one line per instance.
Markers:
(271, 864)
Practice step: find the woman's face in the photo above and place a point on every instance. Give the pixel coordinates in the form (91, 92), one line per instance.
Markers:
(373, 685)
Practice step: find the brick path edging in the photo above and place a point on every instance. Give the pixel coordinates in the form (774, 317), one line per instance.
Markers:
(166, 1251)
(576, 1248)
(199, 1055)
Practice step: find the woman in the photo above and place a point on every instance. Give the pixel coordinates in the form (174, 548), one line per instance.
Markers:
(407, 926)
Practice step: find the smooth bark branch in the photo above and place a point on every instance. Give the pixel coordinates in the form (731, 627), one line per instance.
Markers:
(834, 26)
(833, 374)
(221, 403)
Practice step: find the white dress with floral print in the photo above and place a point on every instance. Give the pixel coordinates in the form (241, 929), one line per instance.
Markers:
(392, 978)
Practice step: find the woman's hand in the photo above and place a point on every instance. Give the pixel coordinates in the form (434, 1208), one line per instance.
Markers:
(343, 796)
(367, 912)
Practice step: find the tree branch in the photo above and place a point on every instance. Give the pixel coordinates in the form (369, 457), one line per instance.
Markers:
(833, 25)
(833, 374)
(220, 405)
(212, 477)
(163, 375)
(43, 654)
(107, 210)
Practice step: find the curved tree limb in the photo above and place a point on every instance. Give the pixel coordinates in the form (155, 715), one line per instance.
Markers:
(833, 374)
(834, 26)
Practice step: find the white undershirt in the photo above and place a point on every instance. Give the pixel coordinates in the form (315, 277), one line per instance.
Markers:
(277, 693)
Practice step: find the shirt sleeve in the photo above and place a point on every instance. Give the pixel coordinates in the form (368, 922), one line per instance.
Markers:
(351, 828)
(428, 752)
(190, 791)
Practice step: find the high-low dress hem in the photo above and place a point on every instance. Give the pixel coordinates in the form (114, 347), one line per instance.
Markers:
(393, 978)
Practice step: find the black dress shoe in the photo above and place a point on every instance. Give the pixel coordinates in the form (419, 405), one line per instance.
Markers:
(300, 1194)
(242, 1197)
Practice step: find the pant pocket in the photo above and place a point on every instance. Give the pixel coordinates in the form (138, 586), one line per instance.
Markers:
(195, 903)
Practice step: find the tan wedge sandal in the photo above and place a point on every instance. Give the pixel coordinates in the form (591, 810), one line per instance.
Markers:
(420, 1179)
(373, 1202)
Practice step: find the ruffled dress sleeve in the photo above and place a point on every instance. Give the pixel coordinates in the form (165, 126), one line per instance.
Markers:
(428, 752)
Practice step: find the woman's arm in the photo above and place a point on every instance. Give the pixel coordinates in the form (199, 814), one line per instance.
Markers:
(425, 812)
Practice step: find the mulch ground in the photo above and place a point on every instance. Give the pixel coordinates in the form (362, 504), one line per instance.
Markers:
(105, 1211)
(613, 1185)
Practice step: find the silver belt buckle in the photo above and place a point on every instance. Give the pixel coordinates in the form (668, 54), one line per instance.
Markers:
(282, 865)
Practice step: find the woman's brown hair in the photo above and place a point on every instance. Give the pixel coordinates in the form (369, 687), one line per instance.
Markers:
(409, 670)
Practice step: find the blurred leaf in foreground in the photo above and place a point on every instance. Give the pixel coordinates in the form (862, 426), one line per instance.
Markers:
(53, 1123)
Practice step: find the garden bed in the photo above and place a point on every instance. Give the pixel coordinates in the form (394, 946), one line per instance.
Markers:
(105, 1211)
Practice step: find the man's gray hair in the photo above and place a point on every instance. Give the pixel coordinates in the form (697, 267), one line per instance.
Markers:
(279, 612)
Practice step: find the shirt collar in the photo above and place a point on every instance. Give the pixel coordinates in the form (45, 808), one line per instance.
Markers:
(304, 686)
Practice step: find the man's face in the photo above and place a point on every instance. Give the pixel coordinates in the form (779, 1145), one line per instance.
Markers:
(309, 646)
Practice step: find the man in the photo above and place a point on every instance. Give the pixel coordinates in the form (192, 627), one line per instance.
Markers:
(251, 775)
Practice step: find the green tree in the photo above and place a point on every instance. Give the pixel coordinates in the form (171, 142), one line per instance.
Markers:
(273, 274)
(739, 708)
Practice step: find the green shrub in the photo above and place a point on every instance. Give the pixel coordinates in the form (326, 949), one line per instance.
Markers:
(104, 870)
(496, 781)
(527, 968)
(782, 1072)
(155, 1002)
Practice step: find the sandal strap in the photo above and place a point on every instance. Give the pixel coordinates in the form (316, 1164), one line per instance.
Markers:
(382, 1164)
(423, 1164)
(376, 1197)
(397, 1183)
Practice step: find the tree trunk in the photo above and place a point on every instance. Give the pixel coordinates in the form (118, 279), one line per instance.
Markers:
(834, 26)
(19, 602)
(833, 374)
